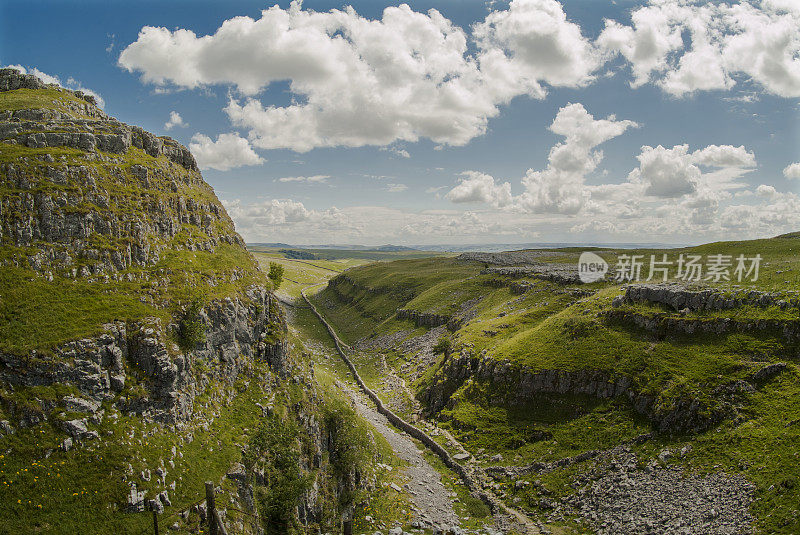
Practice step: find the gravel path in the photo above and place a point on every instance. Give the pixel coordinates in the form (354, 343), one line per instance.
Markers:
(433, 504)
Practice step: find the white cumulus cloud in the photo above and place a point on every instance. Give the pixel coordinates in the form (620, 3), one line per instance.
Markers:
(477, 187)
(560, 186)
(530, 43)
(175, 119)
(765, 190)
(411, 73)
(675, 172)
(792, 170)
(725, 156)
(686, 46)
(227, 152)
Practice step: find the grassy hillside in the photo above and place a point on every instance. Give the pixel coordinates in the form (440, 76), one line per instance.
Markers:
(539, 326)
(74, 294)
(299, 273)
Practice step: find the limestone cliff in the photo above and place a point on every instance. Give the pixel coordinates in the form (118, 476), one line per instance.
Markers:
(90, 201)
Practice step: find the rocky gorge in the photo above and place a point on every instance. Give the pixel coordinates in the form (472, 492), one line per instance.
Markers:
(141, 344)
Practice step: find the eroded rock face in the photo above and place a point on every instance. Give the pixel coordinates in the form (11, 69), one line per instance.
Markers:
(681, 297)
(422, 319)
(519, 385)
(116, 200)
(664, 324)
(100, 367)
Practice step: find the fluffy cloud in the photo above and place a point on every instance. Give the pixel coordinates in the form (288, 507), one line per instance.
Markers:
(175, 119)
(667, 173)
(71, 82)
(766, 190)
(792, 170)
(479, 187)
(672, 173)
(411, 73)
(417, 75)
(559, 187)
(531, 43)
(227, 152)
(408, 72)
(724, 42)
(268, 213)
(672, 192)
(724, 156)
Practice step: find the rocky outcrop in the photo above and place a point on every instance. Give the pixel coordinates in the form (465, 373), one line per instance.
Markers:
(516, 385)
(558, 273)
(120, 198)
(42, 128)
(664, 324)
(11, 79)
(143, 354)
(510, 258)
(682, 297)
(422, 319)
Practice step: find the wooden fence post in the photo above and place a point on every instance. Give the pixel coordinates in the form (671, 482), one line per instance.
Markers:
(211, 509)
(155, 521)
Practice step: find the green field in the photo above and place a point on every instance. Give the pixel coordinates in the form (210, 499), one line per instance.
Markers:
(567, 328)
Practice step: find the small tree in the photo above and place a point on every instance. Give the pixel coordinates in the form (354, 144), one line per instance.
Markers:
(275, 274)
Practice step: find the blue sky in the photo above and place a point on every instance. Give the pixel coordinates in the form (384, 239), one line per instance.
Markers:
(534, 121)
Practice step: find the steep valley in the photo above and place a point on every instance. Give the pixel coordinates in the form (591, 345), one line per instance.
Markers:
(602, 407)
(142, 351)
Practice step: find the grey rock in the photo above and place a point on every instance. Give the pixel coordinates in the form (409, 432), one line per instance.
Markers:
(6, 428)
(76, 428)
(136, 501)
(81, 405)
(768, 372)
(155, 505)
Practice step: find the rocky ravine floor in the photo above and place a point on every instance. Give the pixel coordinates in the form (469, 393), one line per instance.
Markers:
(616, 496)
(433, 505)
(432, 501)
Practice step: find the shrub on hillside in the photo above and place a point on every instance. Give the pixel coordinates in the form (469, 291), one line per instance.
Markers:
(275, 274)
(275, 450)
(191, 327)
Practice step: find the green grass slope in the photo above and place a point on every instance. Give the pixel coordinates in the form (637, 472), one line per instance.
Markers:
(570, 328)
